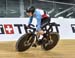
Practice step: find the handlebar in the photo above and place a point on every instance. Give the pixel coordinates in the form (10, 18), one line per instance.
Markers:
(30, 26)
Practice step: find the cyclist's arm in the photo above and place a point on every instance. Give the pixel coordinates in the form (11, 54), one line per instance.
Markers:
(38, 17)
(30, 20)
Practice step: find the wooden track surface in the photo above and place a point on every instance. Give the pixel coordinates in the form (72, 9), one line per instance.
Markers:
(64, 49)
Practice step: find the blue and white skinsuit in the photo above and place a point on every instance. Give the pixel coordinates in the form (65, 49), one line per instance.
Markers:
(39, 14)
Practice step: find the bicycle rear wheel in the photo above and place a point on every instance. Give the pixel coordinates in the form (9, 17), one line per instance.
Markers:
(24, 42)
(50, 41)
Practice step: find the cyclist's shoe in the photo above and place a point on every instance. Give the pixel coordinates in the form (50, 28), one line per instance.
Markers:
(34, 45)
(39, 42)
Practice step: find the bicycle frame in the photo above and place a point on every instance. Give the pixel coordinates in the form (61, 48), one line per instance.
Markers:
(25, 41)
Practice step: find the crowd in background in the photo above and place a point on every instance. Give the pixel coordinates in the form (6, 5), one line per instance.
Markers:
(16, 8)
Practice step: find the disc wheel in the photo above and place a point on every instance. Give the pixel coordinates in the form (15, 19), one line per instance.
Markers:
(50, 41)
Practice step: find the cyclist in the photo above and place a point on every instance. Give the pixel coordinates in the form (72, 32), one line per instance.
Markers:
(41, 16)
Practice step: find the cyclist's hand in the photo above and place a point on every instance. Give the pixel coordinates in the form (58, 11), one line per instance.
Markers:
(27, 27)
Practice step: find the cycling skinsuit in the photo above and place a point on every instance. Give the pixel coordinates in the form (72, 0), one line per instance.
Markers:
(41, 18)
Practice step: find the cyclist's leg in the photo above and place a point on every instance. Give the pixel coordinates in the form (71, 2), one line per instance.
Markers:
(43, 21)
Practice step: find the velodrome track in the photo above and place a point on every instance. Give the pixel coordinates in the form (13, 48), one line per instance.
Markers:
(64, 49)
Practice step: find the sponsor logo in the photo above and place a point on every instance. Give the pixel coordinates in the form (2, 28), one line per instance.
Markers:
(73, 27)
(10, 28)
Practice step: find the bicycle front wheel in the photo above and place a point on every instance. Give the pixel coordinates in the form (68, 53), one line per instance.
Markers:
(24, 42)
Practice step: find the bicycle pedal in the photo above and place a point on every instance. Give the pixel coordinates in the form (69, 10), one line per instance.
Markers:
(39, 42)
(34, 45)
